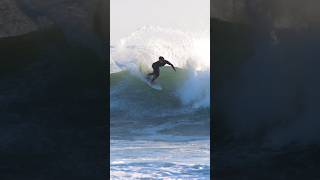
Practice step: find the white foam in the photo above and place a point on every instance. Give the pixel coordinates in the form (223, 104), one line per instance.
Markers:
(160, 160)
(184, 49)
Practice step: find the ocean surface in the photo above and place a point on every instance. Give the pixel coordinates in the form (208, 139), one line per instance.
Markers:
(160, 134)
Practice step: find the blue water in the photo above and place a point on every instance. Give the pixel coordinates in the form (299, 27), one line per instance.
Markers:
(143, 159)
(155, 136)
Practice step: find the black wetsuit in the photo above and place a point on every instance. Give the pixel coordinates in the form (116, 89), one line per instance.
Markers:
(156, 68)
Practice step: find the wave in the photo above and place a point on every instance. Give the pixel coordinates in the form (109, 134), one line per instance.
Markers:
(188, 51)
(130, 89)
(140, 111)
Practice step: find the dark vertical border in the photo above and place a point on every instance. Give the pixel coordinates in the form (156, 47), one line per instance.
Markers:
(212, 104)
(108, 81)
(54, 113)
(102, 27)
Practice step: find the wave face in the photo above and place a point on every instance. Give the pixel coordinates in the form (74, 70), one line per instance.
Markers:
(157, 130)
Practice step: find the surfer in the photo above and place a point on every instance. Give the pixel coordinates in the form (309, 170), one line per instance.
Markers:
(156, 67)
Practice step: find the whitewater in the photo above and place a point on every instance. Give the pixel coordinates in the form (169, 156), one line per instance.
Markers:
(160, 134)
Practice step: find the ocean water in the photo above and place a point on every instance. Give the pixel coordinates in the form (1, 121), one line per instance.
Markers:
(145, 159)
(160, 134)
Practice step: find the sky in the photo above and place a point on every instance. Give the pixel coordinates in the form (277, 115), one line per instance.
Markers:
(126, 16)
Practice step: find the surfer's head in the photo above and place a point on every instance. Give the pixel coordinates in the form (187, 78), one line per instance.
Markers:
(161, 58)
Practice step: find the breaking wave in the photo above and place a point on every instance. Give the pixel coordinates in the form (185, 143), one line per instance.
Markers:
(188, 51)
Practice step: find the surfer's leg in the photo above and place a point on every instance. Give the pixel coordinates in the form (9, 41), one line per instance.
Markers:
(149, 75)
(156, 75)
(152, 73)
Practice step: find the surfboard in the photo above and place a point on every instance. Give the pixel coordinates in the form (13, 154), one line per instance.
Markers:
(153, 85)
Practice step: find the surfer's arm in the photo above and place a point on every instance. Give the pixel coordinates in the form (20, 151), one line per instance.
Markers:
(171, 65)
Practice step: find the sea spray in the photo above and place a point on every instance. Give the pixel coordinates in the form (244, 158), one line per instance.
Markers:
(185, 50)
(196, 89)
